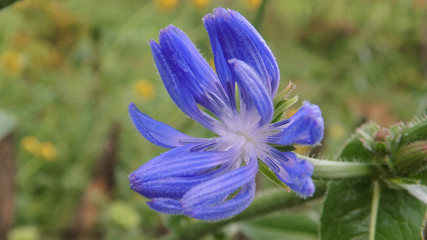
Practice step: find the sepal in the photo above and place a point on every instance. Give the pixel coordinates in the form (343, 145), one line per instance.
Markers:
(282, 106)
(263, 168)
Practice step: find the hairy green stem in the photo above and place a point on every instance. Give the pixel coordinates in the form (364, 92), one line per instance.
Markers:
(261, 206)
(325, 169)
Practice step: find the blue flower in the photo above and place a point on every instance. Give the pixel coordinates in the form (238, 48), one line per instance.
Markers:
(214, 178)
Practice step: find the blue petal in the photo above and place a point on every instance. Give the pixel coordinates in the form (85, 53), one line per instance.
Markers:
(221, 64)
(156, 132)
(305, 127)
(232, 36)
(204, 199)
(176, 163)
(228, 208)
(192, 72)
(252, 91)
(166, 205)
(186, 61)
(294, 172)
(171, 187)
(179, 93)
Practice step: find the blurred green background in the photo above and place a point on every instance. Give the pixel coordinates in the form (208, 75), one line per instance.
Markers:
(69, 69)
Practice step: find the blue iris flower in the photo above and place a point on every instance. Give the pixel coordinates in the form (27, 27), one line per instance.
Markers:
(214, 178)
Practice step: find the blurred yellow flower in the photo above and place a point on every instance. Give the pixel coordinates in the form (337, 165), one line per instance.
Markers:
(253, 4)
(31, 144)
(48, 151)
(12, 62)
(144, 89)
(166, 5)
(337, 131)
(200, 4)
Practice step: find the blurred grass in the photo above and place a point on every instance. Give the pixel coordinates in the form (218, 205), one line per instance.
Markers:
(69, 69)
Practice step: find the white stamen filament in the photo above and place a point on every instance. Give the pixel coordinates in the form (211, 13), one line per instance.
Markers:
(243, 135)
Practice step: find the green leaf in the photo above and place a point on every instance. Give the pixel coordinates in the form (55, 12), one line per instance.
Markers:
(370, 209)
(416, 190)
(7, 123)
(354, 149)
(366, 210)
(270, 175)
(289, 226)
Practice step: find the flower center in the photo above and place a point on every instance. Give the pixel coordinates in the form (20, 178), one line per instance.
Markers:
(240, 138)
(241, 142)
(243, 135)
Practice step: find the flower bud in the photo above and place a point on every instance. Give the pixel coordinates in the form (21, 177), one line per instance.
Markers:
(411, 158)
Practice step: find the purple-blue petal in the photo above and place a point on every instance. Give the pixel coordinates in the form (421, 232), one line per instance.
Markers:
(191, 70)
(171, 187)
(305, 127)
(214, 192)
(232, 36)
(227, 208)
(166, 205)
(179, 93)
(176, 163)
(186, 61)
(221, 64)
(157, 132)
(251, 90)
(294, 172)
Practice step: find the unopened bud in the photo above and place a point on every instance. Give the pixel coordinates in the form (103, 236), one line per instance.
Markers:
(411, 158)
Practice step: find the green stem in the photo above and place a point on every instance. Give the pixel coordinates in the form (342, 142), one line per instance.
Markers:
(262, 205)
(325, 169)
(374, 210)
